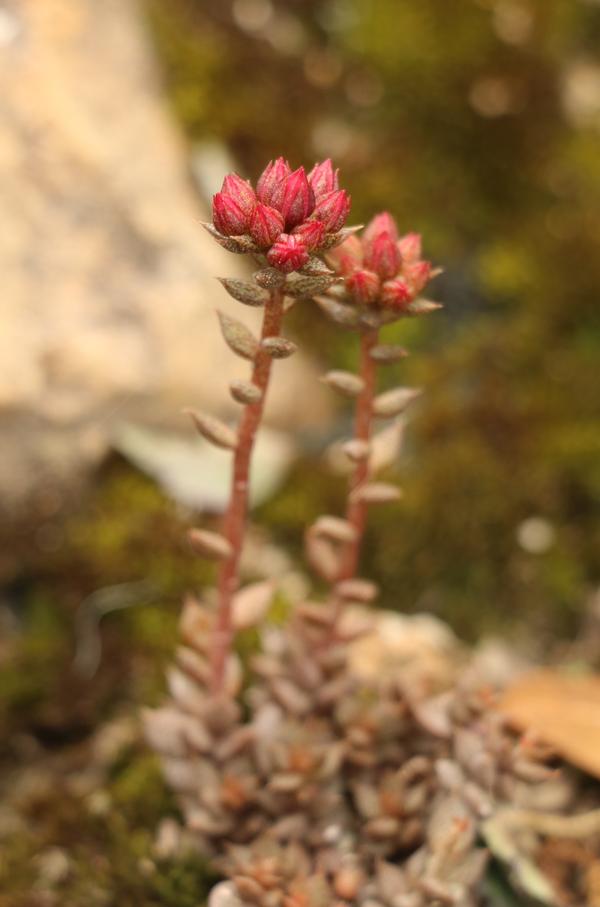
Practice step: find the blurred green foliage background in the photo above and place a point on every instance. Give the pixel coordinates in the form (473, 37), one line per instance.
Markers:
(476, 122)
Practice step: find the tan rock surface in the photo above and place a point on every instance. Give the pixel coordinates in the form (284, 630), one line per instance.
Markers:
(108, 294)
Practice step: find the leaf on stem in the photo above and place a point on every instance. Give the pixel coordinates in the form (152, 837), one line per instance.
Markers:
(239, 245)
(423, 307)
(213, 429)
(210, 544)
(387, 353)
(345, 383)
(245, 392)
(244, 291)
(357, 590)
(304, 287)
(269, 278)
(393, 402)
(375, 319)
(356, 450)
(334, 239)
(322, 556)
(376, 493)
(334, 528)
(315, 267)
(341, 314)
(238, 337)
(251, 604)
(278, 347)
(386, 446)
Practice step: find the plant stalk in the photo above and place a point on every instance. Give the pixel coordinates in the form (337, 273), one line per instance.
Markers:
(356, 511)
(234, 521)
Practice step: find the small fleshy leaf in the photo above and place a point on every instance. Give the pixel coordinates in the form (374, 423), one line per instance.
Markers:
(387, 353)
(322, 556)
(423, 307)
(245, 392)
(357, 590)
(386, 446)
(356, 450)
(393, 402)
(251, 604)
(269, 278)
(304, 287)
(345, 383)
(376, 493)
(210, 544)
(334, 239)
(238, 337)
(314, 267)
(374, 319)
(245, 292)
(341, 314)
(231, 243)
(334, 528)
(278, 347)
(213, 429)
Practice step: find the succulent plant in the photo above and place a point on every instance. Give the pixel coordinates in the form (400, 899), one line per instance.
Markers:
(306, 784)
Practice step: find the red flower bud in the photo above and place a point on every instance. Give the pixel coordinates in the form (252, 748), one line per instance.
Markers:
(323, 178)
(228, 217)
(288, 254)
(298, 199)
(396, 294)
(346, 257)
(311, 232)
(364, 286)
(381, 223)
(417, 274)
(410, 247)
(333, 209)
(265, 225)
(270, 183)
(383, 256)
(240, 191)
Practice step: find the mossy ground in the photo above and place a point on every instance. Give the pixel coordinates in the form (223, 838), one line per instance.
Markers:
(60, 792)
(81, 797)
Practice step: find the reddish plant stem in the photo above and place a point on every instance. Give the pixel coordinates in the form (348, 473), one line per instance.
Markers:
(234, 521)
(356, 511)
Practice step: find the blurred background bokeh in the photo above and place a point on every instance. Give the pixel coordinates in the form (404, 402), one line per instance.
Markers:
(476, 123)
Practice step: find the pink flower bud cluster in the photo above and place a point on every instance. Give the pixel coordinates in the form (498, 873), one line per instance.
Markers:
(381, 268)
(288, 216)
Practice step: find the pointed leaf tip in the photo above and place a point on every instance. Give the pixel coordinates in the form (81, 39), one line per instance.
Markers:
(393, 402)
(238, 337)
(210, 544)
(244, 291)
(345, 383)
(278, 347)
(213, 430)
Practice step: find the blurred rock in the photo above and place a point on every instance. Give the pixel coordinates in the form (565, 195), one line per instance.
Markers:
(197, 474)
(419, 648)
(109, 292)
